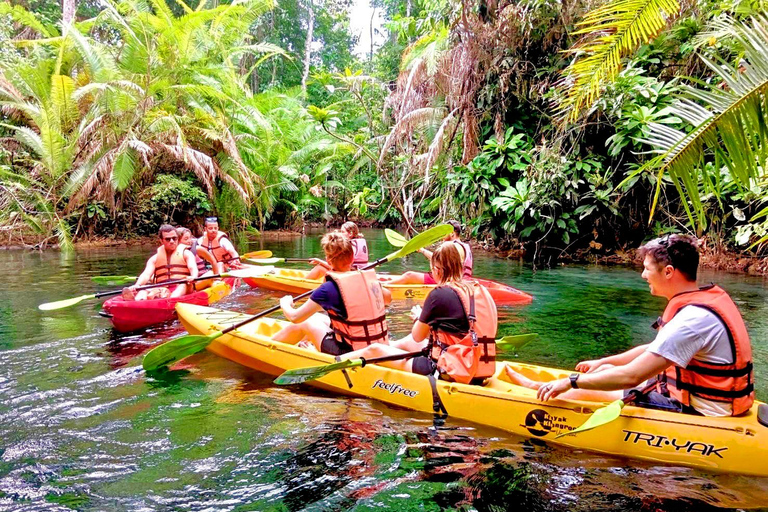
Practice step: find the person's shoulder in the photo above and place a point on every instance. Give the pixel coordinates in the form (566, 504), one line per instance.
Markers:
(698, 314)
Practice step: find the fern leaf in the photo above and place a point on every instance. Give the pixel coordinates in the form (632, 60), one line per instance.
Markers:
(612, 31)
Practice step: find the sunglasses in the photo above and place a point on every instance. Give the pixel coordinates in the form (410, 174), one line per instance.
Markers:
(211, 219)
(170, 238)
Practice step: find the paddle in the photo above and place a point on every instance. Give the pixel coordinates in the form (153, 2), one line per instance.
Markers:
(301, 375)
(610, 412)
(61, 304)
(180, 348)
(118, 280)
(394, 238)
(272, 261)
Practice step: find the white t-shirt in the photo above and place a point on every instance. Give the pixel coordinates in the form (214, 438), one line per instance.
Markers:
(696, 333)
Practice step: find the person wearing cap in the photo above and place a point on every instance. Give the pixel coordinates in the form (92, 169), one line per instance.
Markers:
(465, 251)
(700, 361)
(218, 243)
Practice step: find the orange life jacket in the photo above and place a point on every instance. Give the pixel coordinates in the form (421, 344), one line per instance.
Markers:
(363, 299)
(468, 259)
(472, 355)
(169, 270)
(215, 248)
(730, 383)
(361, 251)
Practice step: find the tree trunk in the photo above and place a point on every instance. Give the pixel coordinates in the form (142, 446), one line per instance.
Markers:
(68, 8)
(373, 13)
(308, 46)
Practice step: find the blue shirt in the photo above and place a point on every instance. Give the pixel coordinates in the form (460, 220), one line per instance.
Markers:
(328, 296)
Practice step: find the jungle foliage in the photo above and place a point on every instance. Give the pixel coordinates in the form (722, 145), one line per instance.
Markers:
(565, 127)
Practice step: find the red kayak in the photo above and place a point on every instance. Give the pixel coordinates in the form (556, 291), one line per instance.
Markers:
(132, 315)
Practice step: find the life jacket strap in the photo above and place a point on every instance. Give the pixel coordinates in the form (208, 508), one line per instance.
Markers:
(720, 393)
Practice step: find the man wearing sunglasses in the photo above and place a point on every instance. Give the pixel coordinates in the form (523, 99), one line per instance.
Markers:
(217, 243)
(172, 261)
(701, 359)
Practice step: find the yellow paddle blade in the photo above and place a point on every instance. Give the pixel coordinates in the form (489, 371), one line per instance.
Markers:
(301, 375)
(176, 350)
(264, 261)
(61, 304)
(113, 280)
(422, 240)
(600, 417)
(257, 254)
(516, 340)
(394, 238)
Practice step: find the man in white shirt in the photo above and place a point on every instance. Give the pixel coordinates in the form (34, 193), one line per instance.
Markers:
(700, 359)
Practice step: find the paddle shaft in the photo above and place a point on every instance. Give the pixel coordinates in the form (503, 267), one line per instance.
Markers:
(158, 285)
(394, 357)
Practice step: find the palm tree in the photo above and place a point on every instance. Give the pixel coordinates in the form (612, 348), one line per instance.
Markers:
(728, 123)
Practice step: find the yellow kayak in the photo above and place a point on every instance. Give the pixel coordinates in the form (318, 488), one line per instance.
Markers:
(295, 281)
(733, 445)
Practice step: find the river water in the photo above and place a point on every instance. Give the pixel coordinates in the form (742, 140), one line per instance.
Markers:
(83, 428)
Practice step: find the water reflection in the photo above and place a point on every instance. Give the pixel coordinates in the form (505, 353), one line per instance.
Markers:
(84, 428)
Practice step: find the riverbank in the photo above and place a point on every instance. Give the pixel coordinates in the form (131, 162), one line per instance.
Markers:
(715, 258)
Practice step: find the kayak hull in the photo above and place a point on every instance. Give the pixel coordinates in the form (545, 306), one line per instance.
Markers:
(733, 445)
(131, 315)
(295, 282)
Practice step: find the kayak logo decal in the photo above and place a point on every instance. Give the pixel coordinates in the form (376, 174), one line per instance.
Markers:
(664, 442)
(540, 423)
(409, 294)
(394, 388)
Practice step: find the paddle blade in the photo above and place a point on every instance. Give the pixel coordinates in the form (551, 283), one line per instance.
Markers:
(176, 350)
(61, 304)
(249, 272)
(264, 261)
(600, 417)
(394, 238)
(257, 255)
(516, 340)
(422, 240)
(301, 375)
(113, 280)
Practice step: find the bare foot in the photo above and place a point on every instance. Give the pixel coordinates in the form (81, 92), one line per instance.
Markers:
(518, 379)
(307, 345)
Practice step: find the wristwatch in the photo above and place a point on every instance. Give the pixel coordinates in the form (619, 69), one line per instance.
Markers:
(574, 377)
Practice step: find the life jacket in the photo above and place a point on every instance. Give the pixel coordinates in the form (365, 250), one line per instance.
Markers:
(468, 259)
(361, 251)
(201, 266)
(730, 383)
(169, 270)
(472, 355)
(215, 248)
(363, 299)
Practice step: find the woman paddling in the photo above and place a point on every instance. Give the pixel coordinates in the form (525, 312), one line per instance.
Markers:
(446, 325)
(354, 300)
(359, 248)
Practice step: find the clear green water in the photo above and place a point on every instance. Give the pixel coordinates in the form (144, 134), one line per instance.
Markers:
(82, 428)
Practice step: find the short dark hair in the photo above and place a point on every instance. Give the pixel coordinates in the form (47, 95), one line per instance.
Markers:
(456, 226)
(680, 251)
(166, 228)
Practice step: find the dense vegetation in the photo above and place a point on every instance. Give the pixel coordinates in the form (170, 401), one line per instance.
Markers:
(566, 127)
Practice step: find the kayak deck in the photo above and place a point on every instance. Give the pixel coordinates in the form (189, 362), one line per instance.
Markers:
(295, 281)
(131, 315)
(718, 444)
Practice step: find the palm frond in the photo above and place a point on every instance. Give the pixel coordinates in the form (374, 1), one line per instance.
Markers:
(729, 123)
(612, 31)
(409, 122)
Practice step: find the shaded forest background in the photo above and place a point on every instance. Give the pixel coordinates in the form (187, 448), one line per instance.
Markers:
(562, 127)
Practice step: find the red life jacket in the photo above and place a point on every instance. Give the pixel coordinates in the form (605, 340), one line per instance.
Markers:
(363, 299)
(169, 270)
(215, 248)
(468, 259)
(472, 355)
(729, 383)
(361, 251)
